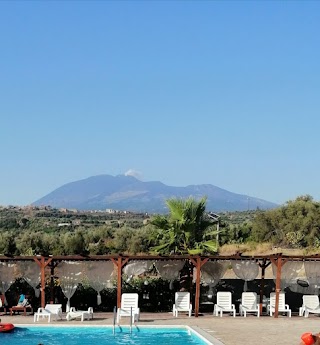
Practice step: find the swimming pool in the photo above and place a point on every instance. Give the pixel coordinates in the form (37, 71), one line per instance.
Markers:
(34, 335)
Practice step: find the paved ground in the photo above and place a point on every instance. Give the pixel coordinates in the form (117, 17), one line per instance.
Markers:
(230, 331)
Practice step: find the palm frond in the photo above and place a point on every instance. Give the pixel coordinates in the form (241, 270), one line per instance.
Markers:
(159, 249)
(211, 246)
(195, 251)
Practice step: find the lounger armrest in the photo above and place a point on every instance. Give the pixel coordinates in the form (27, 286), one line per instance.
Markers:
(311, 309)
(41, 310)
(233, 306)
(287, 306)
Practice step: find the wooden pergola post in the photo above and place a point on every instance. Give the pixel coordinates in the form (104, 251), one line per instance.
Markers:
(279, 262)
(263, 266)
(198, 264)
(119, 263)
(52, 266)
(43, 263)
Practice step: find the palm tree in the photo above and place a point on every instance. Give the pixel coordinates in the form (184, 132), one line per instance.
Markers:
(186, 230)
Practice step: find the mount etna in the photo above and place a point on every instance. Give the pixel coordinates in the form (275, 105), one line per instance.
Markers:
(126, 193)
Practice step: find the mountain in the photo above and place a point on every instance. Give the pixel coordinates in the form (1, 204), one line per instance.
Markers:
(128, 193)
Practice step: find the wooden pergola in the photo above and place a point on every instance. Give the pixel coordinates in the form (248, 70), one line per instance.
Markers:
(197, 261)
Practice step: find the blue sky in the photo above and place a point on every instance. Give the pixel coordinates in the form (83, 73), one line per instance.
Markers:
(183, 92)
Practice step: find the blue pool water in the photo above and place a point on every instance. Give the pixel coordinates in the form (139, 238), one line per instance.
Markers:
(99, 336)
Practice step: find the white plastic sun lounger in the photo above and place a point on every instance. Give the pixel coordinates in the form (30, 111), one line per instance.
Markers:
(224, 304)
(82, 314)
(249, 304)
(283, 307)
(49, 311)
(129, 302)
(182, 303)
(310, 305)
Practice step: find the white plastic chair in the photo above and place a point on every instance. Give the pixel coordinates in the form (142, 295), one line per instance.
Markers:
(310, 304)
(224, 304)
(49, 311)
(182, 303)
(129, 301)
(249, 304)
(283, 307)
(83, 314)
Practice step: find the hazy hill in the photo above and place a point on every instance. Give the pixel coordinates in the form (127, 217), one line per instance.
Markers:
(128, 193)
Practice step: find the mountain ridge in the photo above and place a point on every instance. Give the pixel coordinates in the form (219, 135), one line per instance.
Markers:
(127, 193)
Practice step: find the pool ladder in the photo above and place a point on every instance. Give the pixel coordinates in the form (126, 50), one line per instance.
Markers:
(114, 320)
(115, 317)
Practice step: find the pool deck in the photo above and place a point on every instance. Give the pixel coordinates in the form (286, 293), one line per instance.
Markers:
(227, 329)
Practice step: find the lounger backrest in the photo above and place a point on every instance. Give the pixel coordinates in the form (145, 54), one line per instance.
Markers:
(224, 299)
(129, 300)
(310, 301)
(282, 300)
(249, 300)
(182, 300)
(53, 308)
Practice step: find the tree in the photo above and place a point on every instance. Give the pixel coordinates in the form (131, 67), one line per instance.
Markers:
(8, 244)
(186, 229)
(74, 243)
(296, 224)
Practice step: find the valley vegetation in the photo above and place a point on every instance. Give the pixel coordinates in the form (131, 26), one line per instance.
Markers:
(185, 230)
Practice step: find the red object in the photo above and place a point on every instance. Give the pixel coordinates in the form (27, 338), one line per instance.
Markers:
(6, 327)
(308, 338)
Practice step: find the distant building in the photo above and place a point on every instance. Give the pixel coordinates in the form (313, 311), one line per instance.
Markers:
(109, 210)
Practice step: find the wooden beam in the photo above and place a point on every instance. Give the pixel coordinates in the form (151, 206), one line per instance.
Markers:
(159, 257)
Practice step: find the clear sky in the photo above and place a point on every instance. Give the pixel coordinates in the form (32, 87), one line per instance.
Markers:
(183, 92)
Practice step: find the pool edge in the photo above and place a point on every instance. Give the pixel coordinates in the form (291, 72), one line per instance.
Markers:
(198, 331)
(205, 336)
